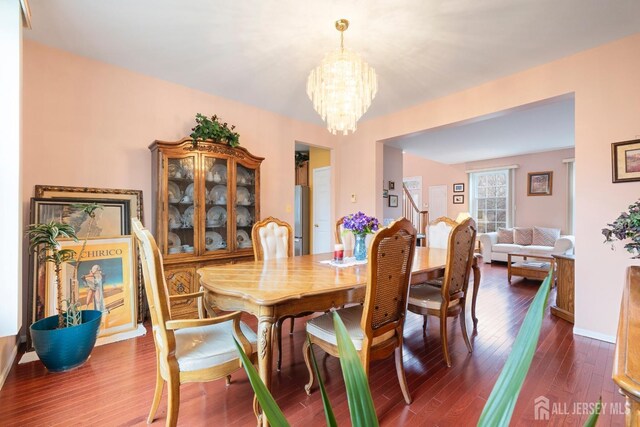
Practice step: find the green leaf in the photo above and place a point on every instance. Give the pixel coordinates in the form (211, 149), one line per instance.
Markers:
(593, 418)
(267, 403)
(499, 407)
(328, 411)
(363, 413)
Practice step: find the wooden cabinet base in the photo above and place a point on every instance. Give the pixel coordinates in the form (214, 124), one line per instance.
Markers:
(565, 273)
(563, 314)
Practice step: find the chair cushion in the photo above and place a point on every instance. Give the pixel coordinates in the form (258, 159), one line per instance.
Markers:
(428, 297)
(522, 236)
(322, 327)
(505, 248)
(545, 236)
(505, 235)
(274, 240)
(439, 235)
(206, 346)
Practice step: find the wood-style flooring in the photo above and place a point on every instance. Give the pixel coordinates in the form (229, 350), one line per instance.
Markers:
(115, 386)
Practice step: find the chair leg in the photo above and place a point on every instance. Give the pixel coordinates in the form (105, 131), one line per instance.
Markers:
(463, 324)
(424, 324)
(402, 379)
(306, 352)
(156, 397)
(227, 380)
(293, 322)
(173, 401)
(278, 337)
(443, 338)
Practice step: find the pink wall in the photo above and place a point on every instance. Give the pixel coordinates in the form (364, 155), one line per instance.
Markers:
(606, 87)
(543, 211)
(87, 123)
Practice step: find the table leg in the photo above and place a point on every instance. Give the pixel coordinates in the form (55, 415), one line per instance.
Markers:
(476, 285)
(265, 327)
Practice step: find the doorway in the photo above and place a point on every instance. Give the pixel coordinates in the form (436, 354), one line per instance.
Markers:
(312, 204)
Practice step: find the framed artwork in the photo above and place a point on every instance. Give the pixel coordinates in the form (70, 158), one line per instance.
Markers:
(102, 278)
(392, 185)
(393, 201)
(458, 188)
(458, 199)
(385, 193)
(112, 220)
(135, 207)
(539, 183)
(625, 161)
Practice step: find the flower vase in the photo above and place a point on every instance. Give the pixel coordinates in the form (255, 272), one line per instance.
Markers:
(360, 247)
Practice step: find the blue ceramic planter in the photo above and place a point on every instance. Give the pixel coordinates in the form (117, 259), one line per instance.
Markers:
(66, 348)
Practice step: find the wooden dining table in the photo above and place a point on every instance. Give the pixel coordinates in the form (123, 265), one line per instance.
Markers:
(287, 287)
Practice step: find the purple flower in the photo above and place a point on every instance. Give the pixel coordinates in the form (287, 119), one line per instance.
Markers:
(359, 223)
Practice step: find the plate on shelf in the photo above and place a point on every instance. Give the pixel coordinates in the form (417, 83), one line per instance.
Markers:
(242, 239)
(218, 173)
(218, 194)
(243, 196)
(187, 217)
(243, 217)
(174, 193)
(187, 168)
(213, 241)
(173, 170)
(173, 241)
(216, 216)
(243, 176)
(175, 219)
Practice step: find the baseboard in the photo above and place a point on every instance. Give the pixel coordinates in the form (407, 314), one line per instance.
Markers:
(31, 356)
(7, 367)
(595, 335)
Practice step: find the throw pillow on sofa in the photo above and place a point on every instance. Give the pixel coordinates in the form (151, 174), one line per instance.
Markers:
(522, 236)
(505, 235)
(545, 236)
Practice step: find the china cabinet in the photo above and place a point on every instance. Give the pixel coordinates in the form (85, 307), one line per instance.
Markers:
(206, 198)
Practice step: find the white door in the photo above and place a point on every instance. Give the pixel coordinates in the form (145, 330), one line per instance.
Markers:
(321, 210)
(437, 201)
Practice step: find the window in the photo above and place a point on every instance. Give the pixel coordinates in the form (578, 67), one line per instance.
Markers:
(490, 199)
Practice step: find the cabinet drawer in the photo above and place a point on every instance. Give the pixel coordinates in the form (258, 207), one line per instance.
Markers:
(183, 281)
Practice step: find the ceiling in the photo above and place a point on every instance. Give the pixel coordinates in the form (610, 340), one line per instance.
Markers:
(260, 51)
(529, 129)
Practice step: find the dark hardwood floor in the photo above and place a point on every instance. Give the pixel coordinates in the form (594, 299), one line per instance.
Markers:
(115, 386)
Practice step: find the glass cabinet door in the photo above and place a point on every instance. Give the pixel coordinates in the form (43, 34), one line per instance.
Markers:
(216, 234)
(245, 205)
(181, 206)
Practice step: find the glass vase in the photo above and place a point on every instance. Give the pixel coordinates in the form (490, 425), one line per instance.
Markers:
(360, 247)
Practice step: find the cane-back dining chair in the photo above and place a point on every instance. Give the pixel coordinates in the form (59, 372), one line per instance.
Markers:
(449, 299)
(438, 232)
(346, 238)
(273, 239)
(375, 327)
(187, 350)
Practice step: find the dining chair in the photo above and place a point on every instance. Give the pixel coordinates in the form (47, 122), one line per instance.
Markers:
(275, 241)
(376, 327)
(347, 239)
(438, 232)
(449, 298)
(187, 350)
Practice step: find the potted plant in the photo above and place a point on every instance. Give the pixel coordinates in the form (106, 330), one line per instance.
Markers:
(360, 225)
(211, 128)
(626, 227)
(65, 340)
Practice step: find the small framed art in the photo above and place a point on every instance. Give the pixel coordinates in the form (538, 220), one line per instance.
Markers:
(393, 201)
(458, 199)
(539, 183)
(625, 161)
(392, 185)
(385, 193)
(458, 188)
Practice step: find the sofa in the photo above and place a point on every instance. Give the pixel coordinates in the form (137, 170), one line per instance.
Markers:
(494, 247)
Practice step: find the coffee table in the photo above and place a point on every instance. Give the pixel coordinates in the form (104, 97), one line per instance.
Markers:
(532, 266)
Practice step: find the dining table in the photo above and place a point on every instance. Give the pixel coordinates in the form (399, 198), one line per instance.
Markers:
(287, 287)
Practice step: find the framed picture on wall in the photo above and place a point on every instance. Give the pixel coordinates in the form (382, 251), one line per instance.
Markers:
(539, 183)
(625, 159)
(385, 193)
(393, 201)
(458, 188)
(458, 199)
(392, 185)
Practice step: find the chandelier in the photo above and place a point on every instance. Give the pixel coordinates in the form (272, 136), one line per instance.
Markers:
(342, 87)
